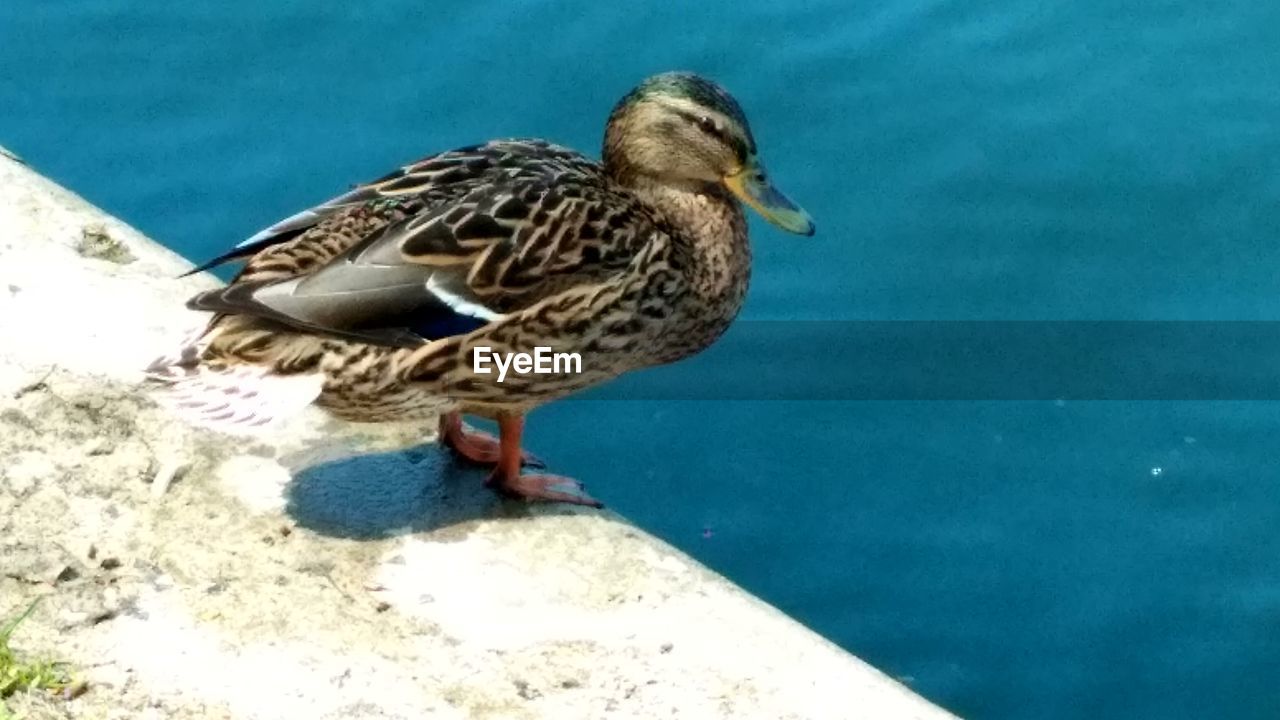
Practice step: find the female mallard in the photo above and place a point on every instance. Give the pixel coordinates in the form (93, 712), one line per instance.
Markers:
(390, 301)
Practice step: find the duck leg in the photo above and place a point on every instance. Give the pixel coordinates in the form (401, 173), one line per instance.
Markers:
(506, 477)
(476, 445)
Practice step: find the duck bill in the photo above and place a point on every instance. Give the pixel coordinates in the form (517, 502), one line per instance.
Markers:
(752, 187)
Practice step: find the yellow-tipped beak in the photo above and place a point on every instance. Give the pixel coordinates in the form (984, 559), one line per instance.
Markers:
(752, 186)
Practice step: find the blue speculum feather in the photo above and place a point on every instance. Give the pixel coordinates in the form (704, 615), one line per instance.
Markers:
(448, 325)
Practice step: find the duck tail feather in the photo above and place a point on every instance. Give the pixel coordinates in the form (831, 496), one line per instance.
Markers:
(181, 359)
(236, 399)
(227, 397)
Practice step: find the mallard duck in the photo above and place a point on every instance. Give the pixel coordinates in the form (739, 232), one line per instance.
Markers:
(381, 303)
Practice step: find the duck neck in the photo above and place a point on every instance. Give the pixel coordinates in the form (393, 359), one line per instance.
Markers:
(711, 246)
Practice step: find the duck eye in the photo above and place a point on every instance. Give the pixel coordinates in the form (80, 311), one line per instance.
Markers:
(708, 125)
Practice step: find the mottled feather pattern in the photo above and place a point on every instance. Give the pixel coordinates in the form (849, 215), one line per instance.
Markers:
(526, 239)
(320, 233)
(236, 397)
(535, 235)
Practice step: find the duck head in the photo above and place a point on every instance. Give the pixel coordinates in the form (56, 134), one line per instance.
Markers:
(681, 128)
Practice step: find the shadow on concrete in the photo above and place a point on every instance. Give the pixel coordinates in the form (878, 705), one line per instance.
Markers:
(377, 495)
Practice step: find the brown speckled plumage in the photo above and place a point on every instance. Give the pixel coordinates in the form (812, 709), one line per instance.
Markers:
(386, 291)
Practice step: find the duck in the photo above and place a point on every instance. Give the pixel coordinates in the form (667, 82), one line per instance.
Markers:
(399, 299)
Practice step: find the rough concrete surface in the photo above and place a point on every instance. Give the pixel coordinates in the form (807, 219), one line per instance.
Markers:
(329, 570)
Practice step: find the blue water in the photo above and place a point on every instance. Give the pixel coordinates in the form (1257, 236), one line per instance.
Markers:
(997, 159)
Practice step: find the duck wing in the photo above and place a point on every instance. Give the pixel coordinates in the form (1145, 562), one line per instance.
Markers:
(537, 227)
(426, 182)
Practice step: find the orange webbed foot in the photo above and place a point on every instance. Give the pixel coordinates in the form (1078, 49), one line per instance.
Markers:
(477, 446)
(542, 487)
(507, 479)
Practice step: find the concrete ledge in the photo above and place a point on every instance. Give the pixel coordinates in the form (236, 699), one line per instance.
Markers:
(190, 575)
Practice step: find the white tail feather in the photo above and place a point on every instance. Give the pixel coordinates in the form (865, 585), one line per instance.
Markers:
(237, 399)
(176, 363)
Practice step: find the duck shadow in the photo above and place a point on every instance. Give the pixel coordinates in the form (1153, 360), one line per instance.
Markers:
(379, 495)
